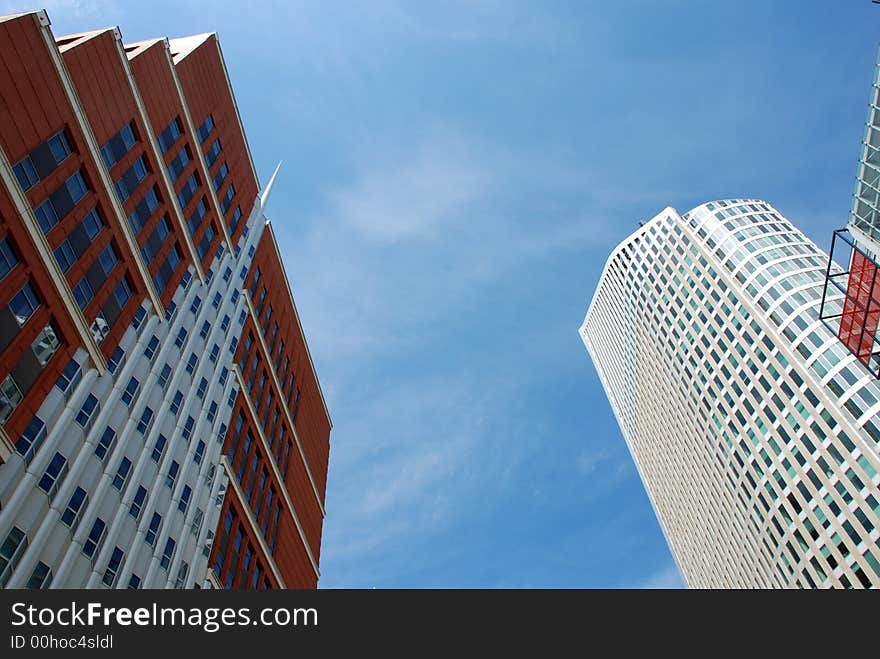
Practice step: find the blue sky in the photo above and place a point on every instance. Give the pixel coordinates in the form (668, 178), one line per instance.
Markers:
(454, 176)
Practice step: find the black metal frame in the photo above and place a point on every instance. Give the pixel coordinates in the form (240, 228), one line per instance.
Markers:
(844, 235)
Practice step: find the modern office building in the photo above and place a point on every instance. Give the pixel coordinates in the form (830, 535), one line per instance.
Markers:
(755, 430)
(161, 422)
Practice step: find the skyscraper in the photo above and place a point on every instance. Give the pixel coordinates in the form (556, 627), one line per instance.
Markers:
(161, 422)
(754, 429)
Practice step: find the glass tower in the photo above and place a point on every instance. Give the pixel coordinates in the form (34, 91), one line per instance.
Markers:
(754, 429)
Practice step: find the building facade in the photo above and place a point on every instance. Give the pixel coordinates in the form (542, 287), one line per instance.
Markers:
(756, 432)
(161, 421)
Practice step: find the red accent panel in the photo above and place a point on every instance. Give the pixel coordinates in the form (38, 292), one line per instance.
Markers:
(861, 308)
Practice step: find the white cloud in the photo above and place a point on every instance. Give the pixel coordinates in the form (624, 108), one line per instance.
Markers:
(410, 198)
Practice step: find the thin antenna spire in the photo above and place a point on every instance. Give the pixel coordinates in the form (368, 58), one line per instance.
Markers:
(264, 198)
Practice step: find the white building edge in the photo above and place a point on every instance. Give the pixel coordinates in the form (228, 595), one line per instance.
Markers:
(755, 431)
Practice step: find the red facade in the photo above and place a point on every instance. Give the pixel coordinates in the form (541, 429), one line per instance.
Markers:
(280, 430)
(122, 166)
(861, 308)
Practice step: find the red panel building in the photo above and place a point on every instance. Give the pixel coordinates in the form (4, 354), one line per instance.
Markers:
(143, 297)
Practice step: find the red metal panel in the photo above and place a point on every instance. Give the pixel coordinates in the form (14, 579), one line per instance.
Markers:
(207, 93)
(98, 72)
(861, 308)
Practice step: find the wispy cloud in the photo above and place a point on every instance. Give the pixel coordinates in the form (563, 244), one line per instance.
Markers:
(411, 195)
(400, 262)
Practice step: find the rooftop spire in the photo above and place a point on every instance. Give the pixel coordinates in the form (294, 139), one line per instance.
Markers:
(264, 197)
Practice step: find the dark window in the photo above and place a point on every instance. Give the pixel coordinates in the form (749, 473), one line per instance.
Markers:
(113, 567)
(206, 128)
(93, 541)
(153, 529)
(24, 303)
(169, 136)
(122, 474)
(118, 145)
(137, 503)
(70, 516)
(8, 257)
(105, 444)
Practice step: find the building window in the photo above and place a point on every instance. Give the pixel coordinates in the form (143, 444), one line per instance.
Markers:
(179, 163)
(172, 474)
(206, 329)
(188, 425)
(26, 173)
(53, 475)
(130, 391)
(41, 577)
(139, 316)
(200, 451)
(123, 291)
(134, 582)
(195, 220)
(191, 363)
(188, 191)
(116, 359)
(75, 506)
(212, 153)
(143, 425)
(137, 503)
(130, 180)
(181, 338)
(65, 255)
(170, 310)
(92, 224)
(105, 444)
(215, 353)
(89, 408)
(10, 397)
(113, 567)
(10, 553)
(163, 376)
(220, 176)
(205, 243)
(118, 145)
(234, 222)
(159, 448)
(23, 304)
(69, 377)
(182, 571)
(8, 257)
(212, 411)
(144, 210)
(176, 402)
(205, 129)
(169, 136)
(108, 259)
(184, 498)
(168, 553)
(100, 328)
(203, 387)
(153, 529)
(226, 202)
(152, 346)
(96, 535)
(122, 474)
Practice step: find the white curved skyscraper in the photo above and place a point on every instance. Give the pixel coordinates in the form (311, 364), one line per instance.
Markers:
(754, 429)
